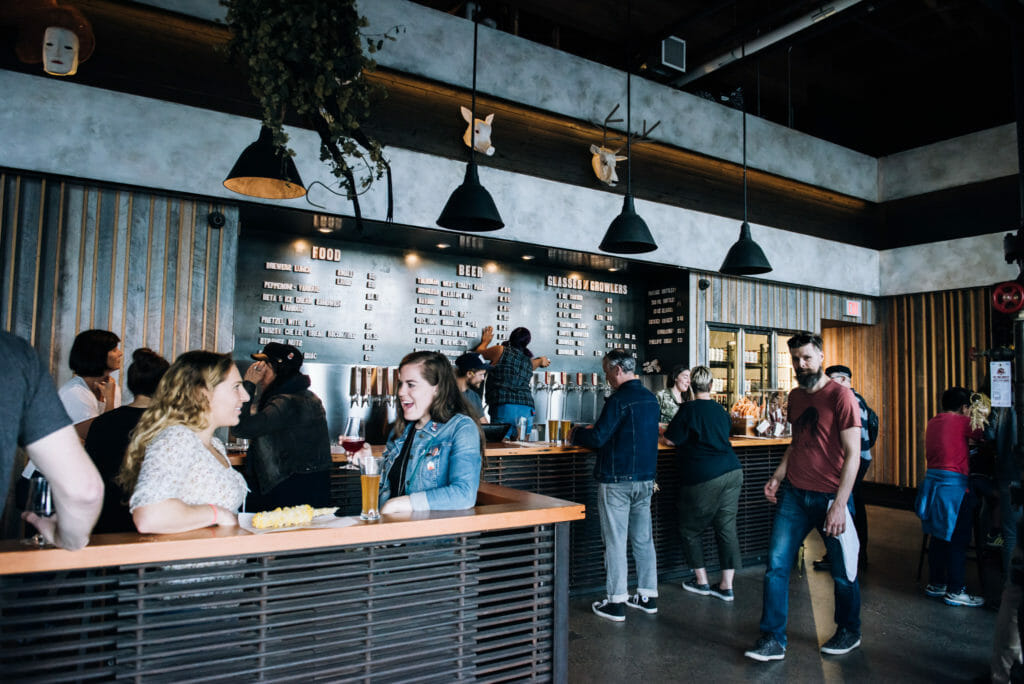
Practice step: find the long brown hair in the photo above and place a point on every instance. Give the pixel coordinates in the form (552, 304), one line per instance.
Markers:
(438, 372)
(179, 400)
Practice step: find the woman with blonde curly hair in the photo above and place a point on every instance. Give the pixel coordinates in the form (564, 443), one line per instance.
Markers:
(177, 471)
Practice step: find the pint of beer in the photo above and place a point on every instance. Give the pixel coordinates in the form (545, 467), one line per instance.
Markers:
(369, 479)
(553, 433)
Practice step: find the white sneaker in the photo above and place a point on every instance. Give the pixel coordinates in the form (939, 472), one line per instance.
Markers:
(963, 599)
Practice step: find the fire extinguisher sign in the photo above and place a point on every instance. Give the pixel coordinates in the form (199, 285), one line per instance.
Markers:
(1002, 383)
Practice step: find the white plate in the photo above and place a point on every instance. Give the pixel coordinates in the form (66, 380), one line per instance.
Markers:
(319, 522)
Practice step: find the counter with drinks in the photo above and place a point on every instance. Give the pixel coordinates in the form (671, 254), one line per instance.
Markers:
(566, 472)
(475, 594)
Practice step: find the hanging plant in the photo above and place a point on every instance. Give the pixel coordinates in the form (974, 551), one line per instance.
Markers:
(307, 57)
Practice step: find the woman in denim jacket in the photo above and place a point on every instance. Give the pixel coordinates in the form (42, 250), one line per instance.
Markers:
(432, 460)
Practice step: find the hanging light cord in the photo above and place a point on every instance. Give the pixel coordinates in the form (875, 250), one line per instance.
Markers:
(472, 106)
(743, 107)
(629, 99)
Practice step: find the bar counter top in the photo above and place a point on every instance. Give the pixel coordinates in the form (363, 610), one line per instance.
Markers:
(497, 508)
(523, 448)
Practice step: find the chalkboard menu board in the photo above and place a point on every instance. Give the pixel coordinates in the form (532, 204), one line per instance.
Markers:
(352, 303)
(667, 325)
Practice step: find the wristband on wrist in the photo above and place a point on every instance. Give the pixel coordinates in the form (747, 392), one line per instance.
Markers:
(214, 513)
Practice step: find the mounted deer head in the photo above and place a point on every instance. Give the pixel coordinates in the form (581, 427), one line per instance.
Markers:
(603, 158)
(479, 132)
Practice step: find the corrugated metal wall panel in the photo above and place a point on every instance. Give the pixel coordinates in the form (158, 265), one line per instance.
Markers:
(143, 265)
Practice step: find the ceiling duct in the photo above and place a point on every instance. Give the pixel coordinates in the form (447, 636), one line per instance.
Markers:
(824, 11)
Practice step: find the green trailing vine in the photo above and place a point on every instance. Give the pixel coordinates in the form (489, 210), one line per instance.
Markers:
(307, 57)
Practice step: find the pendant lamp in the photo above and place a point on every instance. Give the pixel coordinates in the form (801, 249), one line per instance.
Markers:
(471, 208)
(265, 170)
(628, 233)
(745, 257)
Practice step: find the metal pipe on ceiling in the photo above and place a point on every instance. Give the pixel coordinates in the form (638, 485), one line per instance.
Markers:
(825, 11)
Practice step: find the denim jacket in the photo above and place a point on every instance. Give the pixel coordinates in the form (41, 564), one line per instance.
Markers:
(625, 435)
(443, 473)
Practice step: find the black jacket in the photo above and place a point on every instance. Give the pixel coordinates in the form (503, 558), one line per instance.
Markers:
(288, 433)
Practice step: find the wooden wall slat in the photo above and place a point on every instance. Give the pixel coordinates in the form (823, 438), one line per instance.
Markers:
(926, 350)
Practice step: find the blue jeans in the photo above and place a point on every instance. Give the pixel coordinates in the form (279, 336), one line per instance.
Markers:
(798, 513)
(511, 413)
(625, 511)
(946, 559)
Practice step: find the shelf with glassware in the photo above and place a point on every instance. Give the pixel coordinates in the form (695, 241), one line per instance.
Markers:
(762, 362)
(721, 356)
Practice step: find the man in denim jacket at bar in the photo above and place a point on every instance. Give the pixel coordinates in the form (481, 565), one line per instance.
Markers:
(626, 438)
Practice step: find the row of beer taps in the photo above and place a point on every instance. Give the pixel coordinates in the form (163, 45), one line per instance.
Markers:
(554, 381)
(372, 385)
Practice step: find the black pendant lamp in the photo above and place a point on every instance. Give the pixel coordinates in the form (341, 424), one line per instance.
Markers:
(628, 233)
(265, 170)
(745, 257)
(471, 208)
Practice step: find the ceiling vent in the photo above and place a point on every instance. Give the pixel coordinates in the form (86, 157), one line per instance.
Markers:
(673, 53)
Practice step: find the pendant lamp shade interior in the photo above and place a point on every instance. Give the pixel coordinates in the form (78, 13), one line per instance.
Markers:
(470, 207)
(265, 170)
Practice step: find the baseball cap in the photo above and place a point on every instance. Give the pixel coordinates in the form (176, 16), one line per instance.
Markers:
(471, 361)
(282, 356)
(838, 370)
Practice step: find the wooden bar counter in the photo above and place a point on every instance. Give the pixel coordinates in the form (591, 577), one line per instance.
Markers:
(478, 594)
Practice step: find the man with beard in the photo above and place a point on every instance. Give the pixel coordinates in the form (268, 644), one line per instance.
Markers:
(812, 488)
(470, 372)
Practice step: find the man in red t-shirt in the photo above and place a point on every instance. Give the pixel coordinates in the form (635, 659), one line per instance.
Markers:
(812, 488)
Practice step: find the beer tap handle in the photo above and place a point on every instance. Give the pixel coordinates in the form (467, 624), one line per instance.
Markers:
(353, 388)
(373, 384)
(362, 381)
(386, 389)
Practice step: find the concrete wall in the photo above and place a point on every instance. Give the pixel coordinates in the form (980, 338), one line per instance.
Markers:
(951, 163)
(439, 46)
(111, 136)
(947, 265)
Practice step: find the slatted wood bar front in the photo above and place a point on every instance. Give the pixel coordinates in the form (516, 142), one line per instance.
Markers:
(476, 595)
(567, 473)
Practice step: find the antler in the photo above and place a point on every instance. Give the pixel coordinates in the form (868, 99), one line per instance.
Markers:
(604, 128)
(642, 137)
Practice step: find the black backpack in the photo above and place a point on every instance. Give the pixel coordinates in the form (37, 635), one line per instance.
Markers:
(872, 425)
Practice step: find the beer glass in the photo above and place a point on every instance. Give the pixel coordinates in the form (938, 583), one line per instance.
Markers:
(553, 431)
(566, 429)
(40, 502)
(369, 480)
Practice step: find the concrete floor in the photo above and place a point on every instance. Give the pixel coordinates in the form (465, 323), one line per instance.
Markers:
(907, 637)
